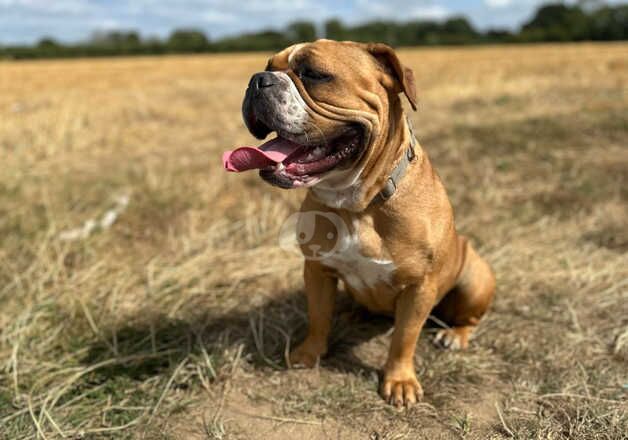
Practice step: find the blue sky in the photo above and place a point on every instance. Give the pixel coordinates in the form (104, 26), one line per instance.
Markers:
(25, 21)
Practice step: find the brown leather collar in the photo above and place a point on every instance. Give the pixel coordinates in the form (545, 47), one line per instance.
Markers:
(397, 174)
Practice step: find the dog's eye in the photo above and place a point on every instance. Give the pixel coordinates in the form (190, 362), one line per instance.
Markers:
(311, 75)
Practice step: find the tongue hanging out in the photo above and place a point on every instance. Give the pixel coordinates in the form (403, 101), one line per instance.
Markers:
(288, 164)
(268, 154)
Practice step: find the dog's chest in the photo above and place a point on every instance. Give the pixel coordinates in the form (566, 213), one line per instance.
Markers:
(360, 263)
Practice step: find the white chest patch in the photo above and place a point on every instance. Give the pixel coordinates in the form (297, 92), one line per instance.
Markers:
(343, 198)
(358, 271)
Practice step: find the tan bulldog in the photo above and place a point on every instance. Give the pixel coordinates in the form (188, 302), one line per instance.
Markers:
(342, 133)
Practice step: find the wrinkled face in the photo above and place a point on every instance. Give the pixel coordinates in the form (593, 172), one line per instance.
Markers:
(325, 101)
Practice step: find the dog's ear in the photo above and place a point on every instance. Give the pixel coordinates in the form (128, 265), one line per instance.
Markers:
(281, 59)
(403, 76)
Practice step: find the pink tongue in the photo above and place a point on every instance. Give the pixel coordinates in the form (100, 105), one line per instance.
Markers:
(248, 158)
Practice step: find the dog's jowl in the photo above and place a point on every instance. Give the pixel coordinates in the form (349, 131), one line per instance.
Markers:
(376, 215)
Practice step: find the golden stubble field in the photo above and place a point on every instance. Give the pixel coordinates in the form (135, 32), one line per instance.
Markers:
(169, 315)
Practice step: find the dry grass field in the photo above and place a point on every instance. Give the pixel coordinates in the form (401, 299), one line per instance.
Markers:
(169, 317)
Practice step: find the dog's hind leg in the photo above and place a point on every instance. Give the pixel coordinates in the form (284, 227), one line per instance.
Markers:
(465, 304)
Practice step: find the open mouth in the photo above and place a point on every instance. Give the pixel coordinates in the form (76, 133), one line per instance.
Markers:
(289, 164)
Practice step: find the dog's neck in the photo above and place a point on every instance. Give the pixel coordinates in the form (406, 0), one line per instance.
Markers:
(370, 178)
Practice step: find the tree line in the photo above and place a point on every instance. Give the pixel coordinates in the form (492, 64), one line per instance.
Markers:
(550, 23)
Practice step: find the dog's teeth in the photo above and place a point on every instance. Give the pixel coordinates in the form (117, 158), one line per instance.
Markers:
(317, 153)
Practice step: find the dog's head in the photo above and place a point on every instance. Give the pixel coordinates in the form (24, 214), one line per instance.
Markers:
(330, 104)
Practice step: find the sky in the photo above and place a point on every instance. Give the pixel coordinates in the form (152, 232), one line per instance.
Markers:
(26, 21)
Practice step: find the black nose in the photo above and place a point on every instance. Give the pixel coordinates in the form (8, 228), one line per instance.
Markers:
(262, 80)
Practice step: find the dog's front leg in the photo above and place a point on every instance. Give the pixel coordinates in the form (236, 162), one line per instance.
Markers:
(320, 289)
(399, 384)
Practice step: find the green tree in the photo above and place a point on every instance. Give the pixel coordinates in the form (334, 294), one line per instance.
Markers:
(381, 31)
(459, 26)
(115, 38)
(418, 32)
(47, 43)
(335, 30)
(300, 31)
(457, 30)
(610, 23)
(581, 20)
(48, 47)
(558, 22)
(498, 35)
(265, 40)
(187, 40)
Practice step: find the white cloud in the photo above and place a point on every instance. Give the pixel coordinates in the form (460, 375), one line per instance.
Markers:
(497, 3)
(108, 24)
(44, 6)
(400, 10)
(432, 12)
(218, 17)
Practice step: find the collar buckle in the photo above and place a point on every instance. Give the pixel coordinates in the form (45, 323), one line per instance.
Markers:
(390, 187)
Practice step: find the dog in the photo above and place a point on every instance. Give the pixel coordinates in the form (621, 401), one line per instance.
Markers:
(342, 133)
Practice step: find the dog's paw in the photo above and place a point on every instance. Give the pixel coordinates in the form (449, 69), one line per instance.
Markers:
(401, 388)
(455, 338)
(304, 356)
